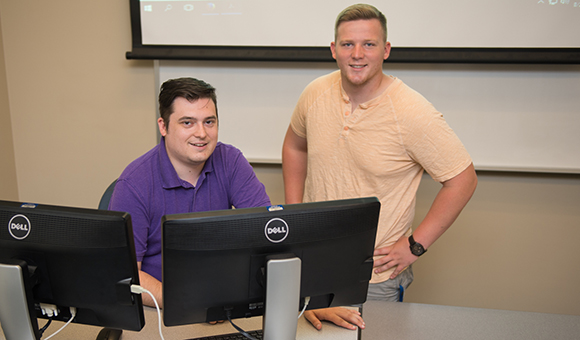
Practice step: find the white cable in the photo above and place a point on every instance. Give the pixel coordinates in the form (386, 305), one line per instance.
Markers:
(139, 290)
(73, 313)
(306, 301)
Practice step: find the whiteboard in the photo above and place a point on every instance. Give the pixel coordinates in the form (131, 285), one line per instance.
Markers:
(418, 23)
(510, 117)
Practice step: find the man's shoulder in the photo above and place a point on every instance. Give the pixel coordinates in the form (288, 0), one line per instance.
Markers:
(225, 154)
(403, 95)
(226, 149)
(324, 82)
(144, 164)
(321, 88)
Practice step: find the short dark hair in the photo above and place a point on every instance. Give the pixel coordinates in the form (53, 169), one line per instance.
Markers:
(360, 12)
(189, 88)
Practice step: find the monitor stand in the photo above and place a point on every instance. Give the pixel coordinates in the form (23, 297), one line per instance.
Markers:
(282, 297)
(17, 313)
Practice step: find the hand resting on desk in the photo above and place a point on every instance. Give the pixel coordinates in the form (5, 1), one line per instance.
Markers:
(343, 317)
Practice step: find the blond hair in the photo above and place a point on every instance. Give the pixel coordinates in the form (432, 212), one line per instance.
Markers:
(361, 12)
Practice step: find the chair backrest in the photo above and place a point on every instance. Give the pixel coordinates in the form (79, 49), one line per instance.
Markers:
(104, 203)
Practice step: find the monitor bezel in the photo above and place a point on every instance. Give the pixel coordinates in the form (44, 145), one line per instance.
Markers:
(180, 284)
(68, 270)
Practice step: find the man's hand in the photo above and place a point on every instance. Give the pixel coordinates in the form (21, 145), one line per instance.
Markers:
(398, 255)
(450, 200)
(343, 317)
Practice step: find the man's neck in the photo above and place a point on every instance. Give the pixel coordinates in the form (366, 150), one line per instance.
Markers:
(364, 93)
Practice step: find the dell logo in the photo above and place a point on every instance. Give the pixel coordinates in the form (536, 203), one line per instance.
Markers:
(276, 230)
(19, 227)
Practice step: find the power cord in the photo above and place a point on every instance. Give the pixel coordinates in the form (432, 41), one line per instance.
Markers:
(73, 313)
(50, 311)
(306, 302)
(241, 331)
(45, 326)
(244, 333)
(136, 289)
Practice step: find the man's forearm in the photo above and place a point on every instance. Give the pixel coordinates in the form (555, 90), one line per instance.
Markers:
(153, 286)
(293, 185)
(446, 207)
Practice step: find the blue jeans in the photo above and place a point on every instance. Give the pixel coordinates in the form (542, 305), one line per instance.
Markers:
(390, 290)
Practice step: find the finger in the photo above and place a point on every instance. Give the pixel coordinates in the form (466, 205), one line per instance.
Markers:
(310, 316)
(395, 273)
(384, 267)
(398, 271)
(379, 270)
(355, 318)
(382, 251)
(347, 320)
(381, 261)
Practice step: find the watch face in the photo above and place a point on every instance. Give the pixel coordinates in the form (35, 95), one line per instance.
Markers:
(417, 249)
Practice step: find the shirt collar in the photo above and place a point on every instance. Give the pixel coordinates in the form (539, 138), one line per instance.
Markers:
(169, 175)
(368, 104)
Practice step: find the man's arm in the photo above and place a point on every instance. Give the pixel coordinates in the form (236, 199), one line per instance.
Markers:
(294, 161)
(152, 285)
(451, 199)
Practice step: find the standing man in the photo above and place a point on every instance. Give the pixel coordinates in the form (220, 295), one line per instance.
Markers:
(188, 171)
(357, 132)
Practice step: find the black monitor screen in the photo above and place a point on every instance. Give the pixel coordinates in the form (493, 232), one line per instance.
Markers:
(214, 263)
(69, 257)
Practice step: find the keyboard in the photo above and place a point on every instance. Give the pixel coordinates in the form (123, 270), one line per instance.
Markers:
(258, 334)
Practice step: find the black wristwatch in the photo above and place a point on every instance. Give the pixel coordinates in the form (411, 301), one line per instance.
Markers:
(417, 248)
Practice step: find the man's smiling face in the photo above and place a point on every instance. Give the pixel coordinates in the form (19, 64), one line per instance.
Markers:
(192, 133)
(360, 49)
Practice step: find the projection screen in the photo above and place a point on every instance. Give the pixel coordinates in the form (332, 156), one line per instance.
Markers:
(516, 31)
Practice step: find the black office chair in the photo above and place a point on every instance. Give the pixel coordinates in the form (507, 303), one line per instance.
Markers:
(108, 333)
(106, 198)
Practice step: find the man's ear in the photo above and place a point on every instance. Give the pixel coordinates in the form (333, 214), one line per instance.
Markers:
(333, 49)
(387, 50)
(162, 127)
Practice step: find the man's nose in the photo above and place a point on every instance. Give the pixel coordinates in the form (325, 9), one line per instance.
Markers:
(357, 52)
(200, 130)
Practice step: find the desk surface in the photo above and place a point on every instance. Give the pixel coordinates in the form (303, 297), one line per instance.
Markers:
(151, 330)
(384, 320)
(394, 320)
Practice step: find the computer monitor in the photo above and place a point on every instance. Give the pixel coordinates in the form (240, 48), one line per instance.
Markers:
(63, 258)
(267, 261)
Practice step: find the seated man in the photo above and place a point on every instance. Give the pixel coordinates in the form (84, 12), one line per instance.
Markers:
(188, 171)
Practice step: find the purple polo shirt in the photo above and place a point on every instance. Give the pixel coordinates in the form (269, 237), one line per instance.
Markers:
(150, 188)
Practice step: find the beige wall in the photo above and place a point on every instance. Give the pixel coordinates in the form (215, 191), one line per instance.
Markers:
(513, 247)
(79, 113)
(8, 187)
